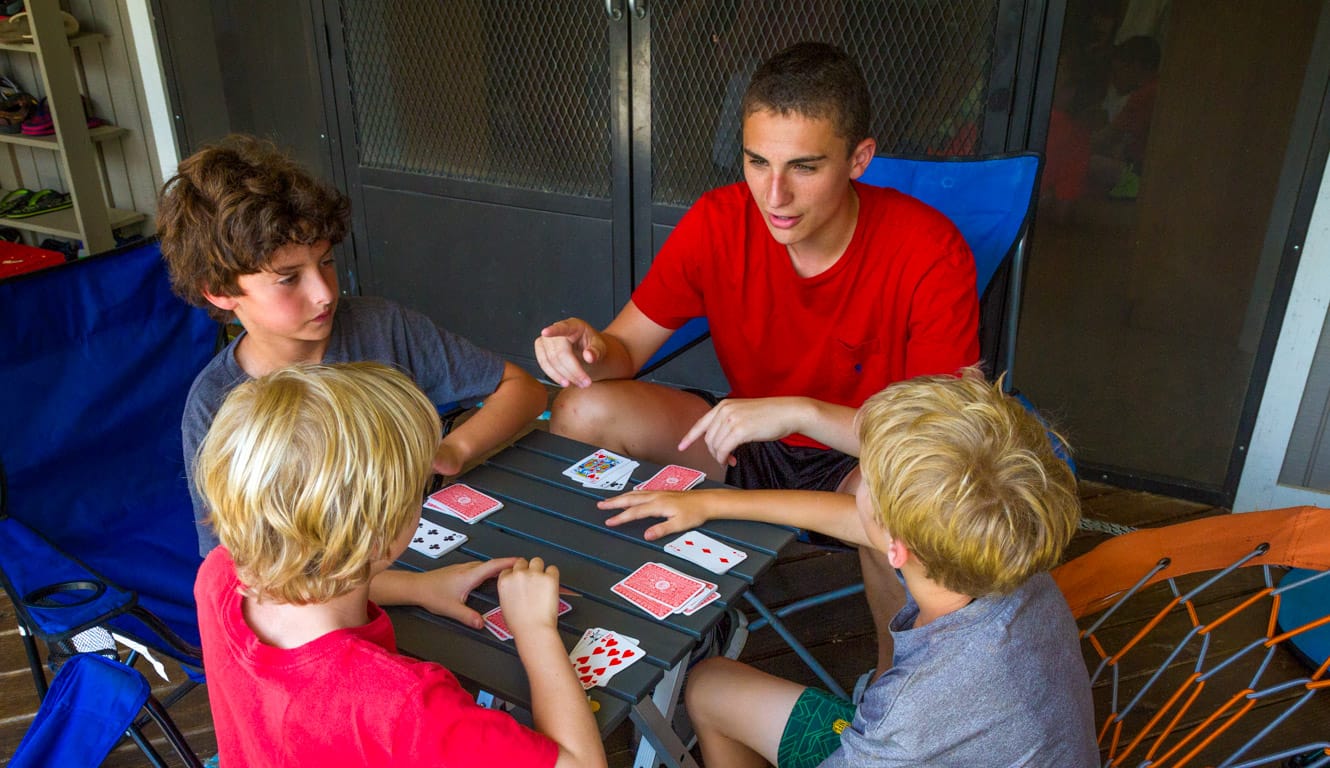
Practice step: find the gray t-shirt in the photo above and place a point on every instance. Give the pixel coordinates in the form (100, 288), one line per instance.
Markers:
(1000, 682)
(446, 366)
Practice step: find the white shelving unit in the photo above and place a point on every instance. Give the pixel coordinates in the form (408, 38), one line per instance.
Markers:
(90, 219)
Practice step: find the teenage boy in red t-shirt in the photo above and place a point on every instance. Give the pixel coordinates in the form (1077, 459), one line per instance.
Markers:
(819, 292)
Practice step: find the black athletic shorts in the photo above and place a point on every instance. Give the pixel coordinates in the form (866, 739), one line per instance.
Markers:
(775, 465)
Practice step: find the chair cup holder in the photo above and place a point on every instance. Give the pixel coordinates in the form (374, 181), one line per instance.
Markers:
(65, 594)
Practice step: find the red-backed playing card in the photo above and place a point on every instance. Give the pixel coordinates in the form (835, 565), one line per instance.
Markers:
(664, 584)
(656, 608)
(463, 502)
(673, 478)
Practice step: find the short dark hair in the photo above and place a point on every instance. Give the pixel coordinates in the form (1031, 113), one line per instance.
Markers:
(815, 80)
(230, 206)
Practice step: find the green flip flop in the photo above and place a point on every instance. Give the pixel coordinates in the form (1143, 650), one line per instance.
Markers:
(44, 201)
(14, 200)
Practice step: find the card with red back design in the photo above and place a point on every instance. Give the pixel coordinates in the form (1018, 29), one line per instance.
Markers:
(498, 627)
(672, 478)
(697, 547)
(463, 502)
(655, 608)
(664, 585)
(601, 654)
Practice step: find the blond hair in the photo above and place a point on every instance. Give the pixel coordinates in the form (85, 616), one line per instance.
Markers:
(312, 472)
(966, 478)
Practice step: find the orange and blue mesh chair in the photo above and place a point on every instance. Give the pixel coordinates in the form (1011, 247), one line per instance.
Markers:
(1242, 672)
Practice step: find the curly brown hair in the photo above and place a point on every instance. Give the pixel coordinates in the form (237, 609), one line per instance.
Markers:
(230, 206)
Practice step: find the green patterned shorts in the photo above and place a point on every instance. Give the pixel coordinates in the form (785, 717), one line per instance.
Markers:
(813, 731)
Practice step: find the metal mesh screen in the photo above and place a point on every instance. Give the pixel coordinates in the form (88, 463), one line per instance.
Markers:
(515, 94)
(927, 65)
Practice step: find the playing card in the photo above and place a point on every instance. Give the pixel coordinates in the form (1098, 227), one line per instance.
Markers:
(601, 654)
(700, 598)
(664, 584)
(697, 547)
(496, 624)
(672, 478)
(433, 540)
(697, 605)
(655, 608)
(600, 467)
(463, 502)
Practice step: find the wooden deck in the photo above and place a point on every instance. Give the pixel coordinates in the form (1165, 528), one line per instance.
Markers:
(840, 636)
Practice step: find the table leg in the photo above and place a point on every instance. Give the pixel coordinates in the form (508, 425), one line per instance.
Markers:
(652, 719)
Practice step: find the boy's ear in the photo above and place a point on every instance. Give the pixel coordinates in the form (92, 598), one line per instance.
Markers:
(897, 554)
(861, 156)
(225, 303)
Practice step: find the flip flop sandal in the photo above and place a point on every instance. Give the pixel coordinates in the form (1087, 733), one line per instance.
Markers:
(44, 201)
(14, 200)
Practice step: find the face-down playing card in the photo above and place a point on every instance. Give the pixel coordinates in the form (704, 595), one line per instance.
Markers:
(672, 478)
(463, 502)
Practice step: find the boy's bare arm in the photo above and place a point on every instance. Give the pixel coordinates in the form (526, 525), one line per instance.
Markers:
(833, 514)
(735, 421)
(529, 596)
(514, 404)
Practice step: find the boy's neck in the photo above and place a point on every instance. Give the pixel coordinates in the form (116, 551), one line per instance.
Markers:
(260, 356)
(933, 599)
(285, 625)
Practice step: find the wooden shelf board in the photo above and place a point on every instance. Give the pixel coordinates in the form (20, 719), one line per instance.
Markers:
(83, 38)
(63, 223)
(100, 133)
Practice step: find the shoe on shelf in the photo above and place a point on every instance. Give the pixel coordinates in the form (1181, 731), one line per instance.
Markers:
(14, 200)
(41, 202)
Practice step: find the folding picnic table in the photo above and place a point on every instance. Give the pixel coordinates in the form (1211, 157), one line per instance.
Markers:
(549, 515)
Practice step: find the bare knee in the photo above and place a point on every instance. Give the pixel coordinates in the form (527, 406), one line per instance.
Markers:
(581, 413)
(705, 691)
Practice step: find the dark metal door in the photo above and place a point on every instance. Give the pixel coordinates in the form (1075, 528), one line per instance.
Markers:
(485, 148)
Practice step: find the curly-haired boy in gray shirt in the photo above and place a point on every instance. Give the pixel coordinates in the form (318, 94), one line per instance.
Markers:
(247, 234)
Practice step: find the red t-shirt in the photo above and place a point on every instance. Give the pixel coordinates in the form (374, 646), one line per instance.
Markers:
(345, 699)
(900, 302)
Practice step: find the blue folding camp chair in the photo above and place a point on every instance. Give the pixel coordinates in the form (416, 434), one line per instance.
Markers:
(989, 199)
(96, 529)
(93, 702)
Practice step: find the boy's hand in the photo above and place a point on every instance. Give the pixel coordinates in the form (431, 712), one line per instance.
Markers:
(529, 596)
(733, 422)
(565, 348)
(444, 590)
(682, 510)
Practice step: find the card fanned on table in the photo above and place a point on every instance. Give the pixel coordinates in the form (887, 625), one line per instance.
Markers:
(661, 591)
(433, 540)
(697, 547)
(603, 469)
(601, 654)
(463, 502)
